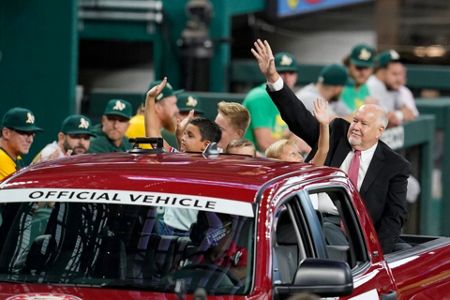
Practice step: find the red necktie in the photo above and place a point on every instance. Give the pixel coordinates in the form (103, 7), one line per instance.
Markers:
(353, 169)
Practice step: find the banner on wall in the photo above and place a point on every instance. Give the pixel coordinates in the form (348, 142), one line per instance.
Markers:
(287, 8)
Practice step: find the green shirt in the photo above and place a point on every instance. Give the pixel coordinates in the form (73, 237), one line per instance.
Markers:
(354, 97)
(102, 144)
(264, 114)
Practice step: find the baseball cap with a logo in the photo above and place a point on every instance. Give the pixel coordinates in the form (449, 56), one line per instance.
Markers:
(77, 124)
(386, 57)
(285, 62)
(186, 102)
(166, 92)
(118, 107)
(20, 119)
(362, 55)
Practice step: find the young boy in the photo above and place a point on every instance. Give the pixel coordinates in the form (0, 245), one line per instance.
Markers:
(198, 134)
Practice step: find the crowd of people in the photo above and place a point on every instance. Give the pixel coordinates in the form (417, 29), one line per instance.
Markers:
(336, 121)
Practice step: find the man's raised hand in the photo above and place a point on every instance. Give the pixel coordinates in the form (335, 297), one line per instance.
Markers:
(156, 90)
(266, 61)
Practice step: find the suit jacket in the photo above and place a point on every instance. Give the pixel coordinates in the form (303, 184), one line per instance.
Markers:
(384, 186)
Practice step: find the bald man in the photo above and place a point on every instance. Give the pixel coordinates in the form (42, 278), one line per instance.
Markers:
(381, 177)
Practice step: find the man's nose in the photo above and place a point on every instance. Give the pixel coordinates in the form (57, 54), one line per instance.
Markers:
(116, 123)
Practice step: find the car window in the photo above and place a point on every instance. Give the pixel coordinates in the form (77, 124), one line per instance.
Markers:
(120, 246)
(338, 223)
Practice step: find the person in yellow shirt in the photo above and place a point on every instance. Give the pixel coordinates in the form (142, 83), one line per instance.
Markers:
(17, 135)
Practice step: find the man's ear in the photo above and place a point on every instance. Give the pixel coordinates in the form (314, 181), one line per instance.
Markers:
(6, 133)
(60, 137)
(240, 133)
(158, 108)
(380, 132)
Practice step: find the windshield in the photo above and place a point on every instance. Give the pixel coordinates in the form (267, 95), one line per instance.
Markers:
(135, 247)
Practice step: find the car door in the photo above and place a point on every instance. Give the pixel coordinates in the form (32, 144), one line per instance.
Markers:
(343, 239)
(327, 227)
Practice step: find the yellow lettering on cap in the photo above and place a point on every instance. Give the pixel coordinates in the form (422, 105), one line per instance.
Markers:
(285, 60)
(364, 54)
(119, 105)
(83, 123)
(30, 118)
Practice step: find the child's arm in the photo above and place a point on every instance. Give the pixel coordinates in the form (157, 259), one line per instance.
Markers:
(321, 114)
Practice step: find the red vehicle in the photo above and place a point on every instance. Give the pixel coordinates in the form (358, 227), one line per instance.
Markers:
(92, 227)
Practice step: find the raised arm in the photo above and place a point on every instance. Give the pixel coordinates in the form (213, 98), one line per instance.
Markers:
(300, 121)
(266, 61)
(150, 117)
(321, 114)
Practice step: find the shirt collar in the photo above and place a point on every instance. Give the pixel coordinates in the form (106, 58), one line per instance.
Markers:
(369, 152)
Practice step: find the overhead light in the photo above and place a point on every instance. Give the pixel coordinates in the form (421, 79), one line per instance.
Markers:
(420, 51)
(430, 51)
(435, 51)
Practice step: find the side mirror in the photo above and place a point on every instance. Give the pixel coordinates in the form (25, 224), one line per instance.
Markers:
(325, 278)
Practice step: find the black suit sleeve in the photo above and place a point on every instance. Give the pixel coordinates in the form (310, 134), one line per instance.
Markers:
(300, 121)
(395, 211)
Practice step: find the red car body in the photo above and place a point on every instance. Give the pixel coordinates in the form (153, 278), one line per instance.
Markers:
(421, 272)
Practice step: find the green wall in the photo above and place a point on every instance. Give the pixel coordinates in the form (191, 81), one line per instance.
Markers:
(38, 61)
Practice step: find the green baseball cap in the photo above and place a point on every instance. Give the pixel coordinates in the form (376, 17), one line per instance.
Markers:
(362, 55)
(77, 124)
(186, 102)
(386, 57)
(166, 92)
(118, 107)
(333, 75)
(20, 119)
(285, 62)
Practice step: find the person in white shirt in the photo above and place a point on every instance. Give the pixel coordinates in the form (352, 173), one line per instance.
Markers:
(385, 84)
(329, 85)
(73, 138)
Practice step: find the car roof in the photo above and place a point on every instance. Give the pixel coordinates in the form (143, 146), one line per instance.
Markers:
(226, 176)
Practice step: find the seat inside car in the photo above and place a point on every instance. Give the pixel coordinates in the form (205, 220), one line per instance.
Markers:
(286, 249)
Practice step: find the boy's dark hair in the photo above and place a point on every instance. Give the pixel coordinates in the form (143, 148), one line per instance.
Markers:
(209, 130)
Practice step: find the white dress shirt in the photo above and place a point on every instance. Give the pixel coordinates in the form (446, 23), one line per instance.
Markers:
(366, 158)
(276, 86)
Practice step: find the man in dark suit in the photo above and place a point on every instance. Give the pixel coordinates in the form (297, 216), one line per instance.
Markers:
(380, 174)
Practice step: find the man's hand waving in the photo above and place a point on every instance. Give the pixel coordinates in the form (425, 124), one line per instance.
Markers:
(266, 61)
(150, 117)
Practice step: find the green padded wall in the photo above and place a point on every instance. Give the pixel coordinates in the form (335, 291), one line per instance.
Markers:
(38, 61)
